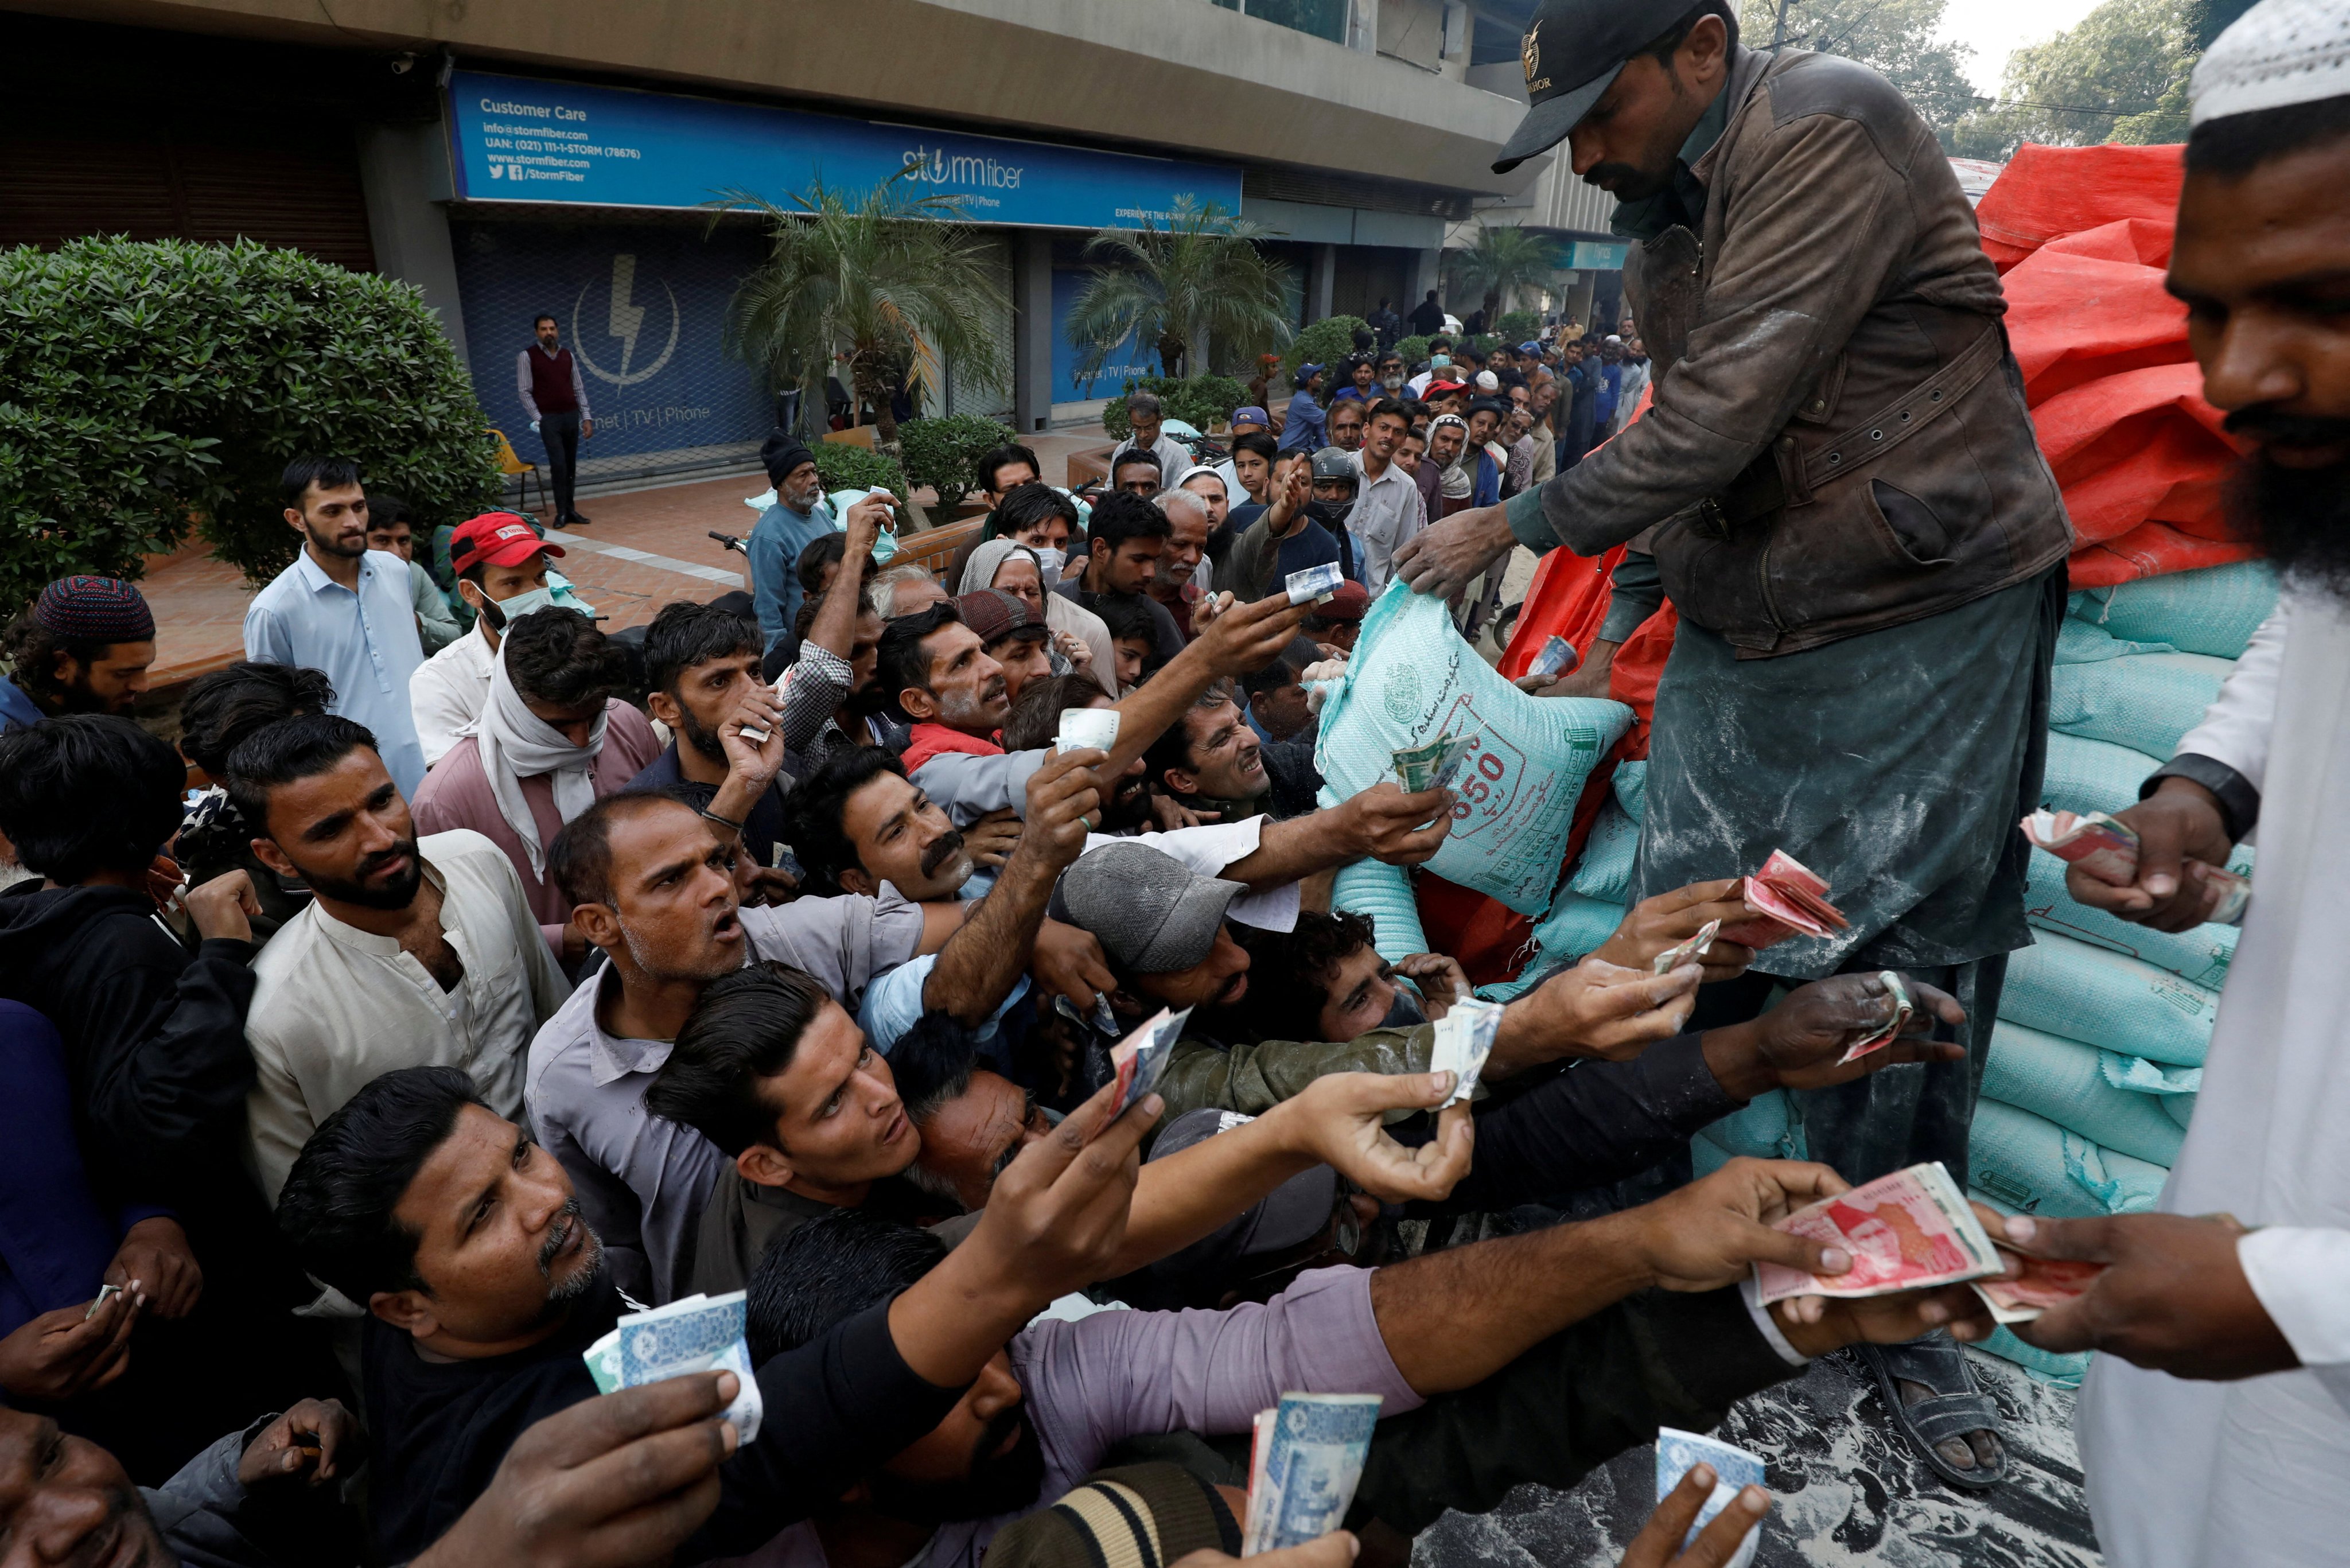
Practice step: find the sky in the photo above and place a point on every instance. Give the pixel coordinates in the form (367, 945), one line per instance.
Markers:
(1993, 28)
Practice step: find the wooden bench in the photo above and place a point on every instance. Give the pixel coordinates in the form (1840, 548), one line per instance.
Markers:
(934, 548)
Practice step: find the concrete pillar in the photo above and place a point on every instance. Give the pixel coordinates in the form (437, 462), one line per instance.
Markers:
(404, 175)
(1319, 283)
(1427, 273)
(1032, 331)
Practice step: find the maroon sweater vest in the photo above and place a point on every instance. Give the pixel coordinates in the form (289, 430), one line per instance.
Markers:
(550, 381)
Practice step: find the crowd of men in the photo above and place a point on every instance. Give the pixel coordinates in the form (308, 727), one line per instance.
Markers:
(370, 1050)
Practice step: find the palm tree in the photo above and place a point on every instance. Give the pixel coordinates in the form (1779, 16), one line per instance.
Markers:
(1201, 278)
(1503, 259)
(885, 282)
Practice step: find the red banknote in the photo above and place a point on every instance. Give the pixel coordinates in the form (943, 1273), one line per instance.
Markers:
(1906, 1231)
(1788, 898)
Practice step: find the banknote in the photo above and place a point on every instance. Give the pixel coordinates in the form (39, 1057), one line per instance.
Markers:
(1314, 584)
(1733, 1467)
(1308, 1460)
(105, 1292)
(1696, 947)
(1464, 1038)
(1905, 1232)
(1903, 1008)
(2107, 851)
(1257, 1523)
(1087, 727)
(1556, 657)
(1788, 898)
(1140, 1060)
(697, 1333)
(1435, 763)
(2045, 1282)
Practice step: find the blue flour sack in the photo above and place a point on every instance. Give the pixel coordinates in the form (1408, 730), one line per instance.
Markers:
(2214, 610)
(1604, 870)
(1413, 678)
(2083, 642)
(1384, 893)
(2031, 1163)
(2070, 988)
(2200, 955)
(2066, 1082)
(2145, 701)
(2083, 776)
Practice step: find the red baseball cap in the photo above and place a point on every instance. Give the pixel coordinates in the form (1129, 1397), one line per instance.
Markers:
(497, 539)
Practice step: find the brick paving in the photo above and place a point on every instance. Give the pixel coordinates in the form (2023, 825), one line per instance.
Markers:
(200, 603)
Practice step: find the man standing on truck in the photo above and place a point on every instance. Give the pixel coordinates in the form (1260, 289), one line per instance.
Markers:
(1837, 486)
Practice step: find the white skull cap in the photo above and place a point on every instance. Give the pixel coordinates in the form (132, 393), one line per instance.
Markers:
(2280, 52)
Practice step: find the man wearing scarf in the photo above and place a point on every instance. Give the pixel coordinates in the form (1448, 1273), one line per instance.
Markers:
(1450, 455)
(552, 741)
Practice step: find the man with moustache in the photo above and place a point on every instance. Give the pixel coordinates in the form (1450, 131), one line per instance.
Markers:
(2215, 1426)
(344, 609)
(412, 953)
(1837, 486)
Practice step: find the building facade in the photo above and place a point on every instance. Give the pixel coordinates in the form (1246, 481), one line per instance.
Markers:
(510, 157)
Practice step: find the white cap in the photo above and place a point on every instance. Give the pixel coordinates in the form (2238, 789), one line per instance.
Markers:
(1487, 382)
(2280, 52)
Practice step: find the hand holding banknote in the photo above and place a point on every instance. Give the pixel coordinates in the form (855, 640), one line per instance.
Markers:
(1804, 1041)
(1594, 1009)
(1340, 1120)
(1660, 1544)
(2182, 833)
(2170, 1294)
(1655, 926)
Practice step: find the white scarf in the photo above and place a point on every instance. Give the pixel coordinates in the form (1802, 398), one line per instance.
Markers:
(1457, 477)
(515, 745)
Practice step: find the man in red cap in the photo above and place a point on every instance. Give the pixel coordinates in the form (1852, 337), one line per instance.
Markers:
(501, 565)
(83, 648)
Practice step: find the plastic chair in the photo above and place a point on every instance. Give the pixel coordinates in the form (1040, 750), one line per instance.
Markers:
(510, 463)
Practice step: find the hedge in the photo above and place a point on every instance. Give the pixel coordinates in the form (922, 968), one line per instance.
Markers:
(944, 452)
(149, 387)
(842, 466)
(1518, 327)
(1412, 350)
(1326, 342)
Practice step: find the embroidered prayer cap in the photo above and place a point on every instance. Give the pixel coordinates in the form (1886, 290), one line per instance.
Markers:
(95, 610)
(2279, 53)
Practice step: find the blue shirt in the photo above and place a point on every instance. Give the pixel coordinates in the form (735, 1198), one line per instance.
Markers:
(1301, 431)
(366, 642)
(17, 708)
(774, 549)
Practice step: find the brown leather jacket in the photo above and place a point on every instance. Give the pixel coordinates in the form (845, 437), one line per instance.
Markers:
(1838, 441)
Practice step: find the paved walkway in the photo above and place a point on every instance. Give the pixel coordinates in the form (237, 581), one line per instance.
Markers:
(644, 548)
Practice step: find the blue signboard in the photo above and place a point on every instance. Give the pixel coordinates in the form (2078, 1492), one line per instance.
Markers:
(1598, 256)
(641, 307)
(1128, 361)
(520, 139)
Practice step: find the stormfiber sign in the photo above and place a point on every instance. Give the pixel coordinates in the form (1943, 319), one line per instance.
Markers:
(519, 140)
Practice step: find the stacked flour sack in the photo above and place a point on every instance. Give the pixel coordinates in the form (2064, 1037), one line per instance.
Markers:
(2098, 1051)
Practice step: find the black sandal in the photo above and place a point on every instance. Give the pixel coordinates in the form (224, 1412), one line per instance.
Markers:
(1954, 1408)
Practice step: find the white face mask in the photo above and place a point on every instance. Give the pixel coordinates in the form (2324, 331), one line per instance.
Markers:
(1048, 561)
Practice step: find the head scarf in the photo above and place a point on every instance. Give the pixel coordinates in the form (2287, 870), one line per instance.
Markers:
(988, 559)
(515, 745)
(1457, 480)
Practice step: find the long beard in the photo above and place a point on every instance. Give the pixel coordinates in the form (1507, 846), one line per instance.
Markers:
(2302, 518)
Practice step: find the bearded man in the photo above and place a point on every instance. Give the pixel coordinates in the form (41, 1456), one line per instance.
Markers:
(414, 952)
(2216, 1424)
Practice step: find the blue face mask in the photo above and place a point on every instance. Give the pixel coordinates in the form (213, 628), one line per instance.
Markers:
(885, 544)
(1404, 1011)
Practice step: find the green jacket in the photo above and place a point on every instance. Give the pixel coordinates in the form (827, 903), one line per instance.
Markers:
(1253, 1079)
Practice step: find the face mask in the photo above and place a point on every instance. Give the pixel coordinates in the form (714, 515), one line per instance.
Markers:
(1440, 361)
(1404, 1011)
(1330, 514)
(1049, 559)
(885, 544)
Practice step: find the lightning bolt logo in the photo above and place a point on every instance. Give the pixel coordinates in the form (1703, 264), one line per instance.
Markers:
(626, 318)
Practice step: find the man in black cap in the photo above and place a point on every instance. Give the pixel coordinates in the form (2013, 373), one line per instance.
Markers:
(1837, 485)
(798, 518)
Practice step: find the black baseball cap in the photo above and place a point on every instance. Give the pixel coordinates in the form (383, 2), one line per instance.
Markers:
(1572, 51)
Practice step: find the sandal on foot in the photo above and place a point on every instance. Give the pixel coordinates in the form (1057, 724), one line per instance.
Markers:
(1954, 1408)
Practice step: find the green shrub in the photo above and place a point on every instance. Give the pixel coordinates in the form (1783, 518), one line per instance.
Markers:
(1484, 342)
(845, 467)
(944, 452)
(149, 386)
(1518, 327)
(1199, 401)
(1412, 350)
(1326, 342)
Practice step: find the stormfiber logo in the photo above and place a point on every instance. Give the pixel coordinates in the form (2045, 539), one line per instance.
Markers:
(939, 167)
